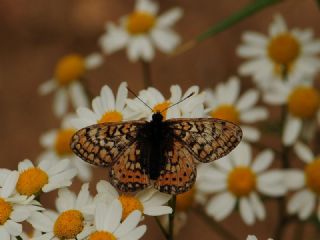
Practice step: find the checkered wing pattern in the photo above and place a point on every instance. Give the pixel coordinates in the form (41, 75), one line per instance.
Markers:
(129, 173)
(102, 144)
(179, 171)
(206, 139)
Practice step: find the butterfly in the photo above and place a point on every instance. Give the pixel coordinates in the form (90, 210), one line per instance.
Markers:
(162, 153)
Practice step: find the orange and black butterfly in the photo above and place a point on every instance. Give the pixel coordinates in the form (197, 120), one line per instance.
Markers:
(160, 152)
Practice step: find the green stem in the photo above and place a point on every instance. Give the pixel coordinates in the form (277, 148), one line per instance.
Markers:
(318, 2)
(163, 230)
(19, 238)
(245, 12)
(225, 234)
(146, 74)
(171, 217)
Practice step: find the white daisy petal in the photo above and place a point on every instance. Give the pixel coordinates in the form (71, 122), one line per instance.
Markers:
(48, 87)
(78, 95)
(9, 184)
(114, 40)
(254, 38)
(263, 161)
(165, 39)
(113, 221)
(93, 60)
(246, 211)
(121, 96)
(294, 179)
(221, 206)
(247, 100)
(128, 224)
(4, 234)
(250, 134)
(135, 234)
(15, 229)
(304, 152)
(241, 155)
(292, 129)
(148, 6)
(257, 206)
(106, 187)
(158, 211)
(254, 115)
(170, 17)
(60, 102)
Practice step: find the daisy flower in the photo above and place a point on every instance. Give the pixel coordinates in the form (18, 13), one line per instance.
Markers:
(66, 81)
(106, 108)
(236, 179)
(57, 145)
(47, 176)
(302, 101)
(295, 49)
(108, 223)
(306, 182)
(141, 31)
(191, 107)
(73, 220)
(253, 237)
(14, 208)
(225, 103)
(149, 201)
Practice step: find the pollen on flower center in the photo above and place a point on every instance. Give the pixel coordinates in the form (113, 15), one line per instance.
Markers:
(31, 181)
(69, 68)
(241, 181)
(5, 211)
(102, 235)
(185, 200)
(140, 22)
(226, 112)
(304, 102)
(129, 204)
(312, 175)
(62, 142)
(112, 116)
(160, 107)
(284, 49)
(69, 224)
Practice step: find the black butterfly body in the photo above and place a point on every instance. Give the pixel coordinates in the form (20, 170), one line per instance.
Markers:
(162, 153)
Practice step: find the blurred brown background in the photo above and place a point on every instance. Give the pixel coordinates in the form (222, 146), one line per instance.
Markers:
(34, 34)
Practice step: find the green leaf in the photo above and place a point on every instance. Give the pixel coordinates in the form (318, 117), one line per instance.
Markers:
(247, 11)
(318, 1)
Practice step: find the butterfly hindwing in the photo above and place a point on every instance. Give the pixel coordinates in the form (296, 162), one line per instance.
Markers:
(101, 144)
(128, 173)
(207, 139)
(179, 172)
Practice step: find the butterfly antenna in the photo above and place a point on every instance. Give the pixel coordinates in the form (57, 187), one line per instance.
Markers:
(139, 98)
(190, 95)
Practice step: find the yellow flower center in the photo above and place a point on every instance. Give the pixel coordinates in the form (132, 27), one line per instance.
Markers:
(284, 49)
(69, 224)
(241, 181)
(304, 102)
(62, 143)
(312, 175)
(5, 211)
(69, 68)
(140, 22)
(226, 112)
(112, 116)
(161, 107)
(102, 235)
(185, 200)
(129, 204)
(31, 181)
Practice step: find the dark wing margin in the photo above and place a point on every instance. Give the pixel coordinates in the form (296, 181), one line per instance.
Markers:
(207, 139)
(129, 172)
(179, 172)
(101, 144)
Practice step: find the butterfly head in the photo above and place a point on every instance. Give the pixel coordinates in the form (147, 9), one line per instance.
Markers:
(157, 117)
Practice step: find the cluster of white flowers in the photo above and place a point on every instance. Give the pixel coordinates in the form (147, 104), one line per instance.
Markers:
(283, 66)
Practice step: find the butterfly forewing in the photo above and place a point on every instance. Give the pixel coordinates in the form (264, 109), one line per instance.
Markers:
(207, 139)
(179, 172)
(101, 144)
(129, 172)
